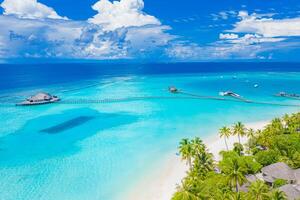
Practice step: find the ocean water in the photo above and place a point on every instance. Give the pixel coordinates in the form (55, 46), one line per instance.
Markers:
(86, 148)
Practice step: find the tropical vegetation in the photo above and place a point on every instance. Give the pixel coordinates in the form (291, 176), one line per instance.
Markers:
(279, 141)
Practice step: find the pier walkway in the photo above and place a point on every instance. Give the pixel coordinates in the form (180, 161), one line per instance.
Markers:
(180, 95)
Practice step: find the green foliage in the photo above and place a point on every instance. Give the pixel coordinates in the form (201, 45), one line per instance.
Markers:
(250, 164)
(279, 182)
(237, 147)
(258, 190)
(277, 195)
(280, 137)
(225, 132)
(239, 129)
(185, 193)
(186, 150)
(278, 141)
(267, 157)
(234, 170)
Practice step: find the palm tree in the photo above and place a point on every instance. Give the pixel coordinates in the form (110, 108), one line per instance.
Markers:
(185, 193)
(286, 120)
(204, 162)
(198, 146)
(258, 190)
(250, 133)
(277, 195)
(225, 132)
(239, 130)
(186, 151)
(234, 196)
(234, 172)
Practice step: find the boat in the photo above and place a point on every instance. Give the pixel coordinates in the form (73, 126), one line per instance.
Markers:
(229, 93)
(281, 94)
(173, 89)
(256, 85)
(39, 99)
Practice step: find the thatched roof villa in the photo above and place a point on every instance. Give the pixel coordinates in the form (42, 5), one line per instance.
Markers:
(278, 170)
(269, 174)
(40, 98)
(292, 191)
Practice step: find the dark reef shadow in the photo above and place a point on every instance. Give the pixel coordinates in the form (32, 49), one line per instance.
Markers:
(72, 123)
(56, 135)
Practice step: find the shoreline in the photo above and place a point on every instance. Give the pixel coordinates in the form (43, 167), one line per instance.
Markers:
(162, 183)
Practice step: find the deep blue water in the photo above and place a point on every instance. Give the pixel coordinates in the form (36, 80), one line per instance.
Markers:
(28, 75)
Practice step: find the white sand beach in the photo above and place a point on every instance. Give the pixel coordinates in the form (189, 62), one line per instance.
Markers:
(162, 184)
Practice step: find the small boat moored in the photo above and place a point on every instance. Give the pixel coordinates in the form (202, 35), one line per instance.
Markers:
(173, 89)
(38, 99)
(229, 93)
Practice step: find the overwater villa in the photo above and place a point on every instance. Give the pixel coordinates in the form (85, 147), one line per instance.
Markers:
(39, 98)
(284, 94)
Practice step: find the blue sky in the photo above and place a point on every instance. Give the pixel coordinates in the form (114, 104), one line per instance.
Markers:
(151, 30)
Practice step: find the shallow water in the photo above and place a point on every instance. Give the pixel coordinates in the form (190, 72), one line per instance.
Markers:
(97, 150)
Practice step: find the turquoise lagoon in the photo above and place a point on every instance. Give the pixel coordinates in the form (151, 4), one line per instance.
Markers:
(101, 150)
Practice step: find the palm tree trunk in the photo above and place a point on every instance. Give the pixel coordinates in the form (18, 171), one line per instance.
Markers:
(226, 143)
(190, 162)
(239, 138)
(237, 186)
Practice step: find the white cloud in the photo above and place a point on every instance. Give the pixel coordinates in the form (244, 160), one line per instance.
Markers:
(123, 13)
(149, 37)
(216, 51)
(77, 39)
(223, 15)
(182, 51)
(256, 36)
(228, 36)
(267, 26)
(119, 30)
(30, 9)
(249, 39)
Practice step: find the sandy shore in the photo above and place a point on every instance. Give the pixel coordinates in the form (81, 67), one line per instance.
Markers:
(162, 184)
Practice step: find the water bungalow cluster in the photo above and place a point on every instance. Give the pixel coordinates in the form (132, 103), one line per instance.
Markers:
(46, 98)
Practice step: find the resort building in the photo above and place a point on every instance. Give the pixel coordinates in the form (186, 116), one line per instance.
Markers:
(279, 170)
(269, 174)
(292, 191)
(39, 98)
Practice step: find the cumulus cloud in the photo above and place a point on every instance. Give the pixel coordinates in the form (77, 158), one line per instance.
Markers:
(255, 34)
(267, 26)
(30, 9)
(80, 40)
(123, 13)
(37, 31)
(248, 39)
(121, 30)
(228, 36)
